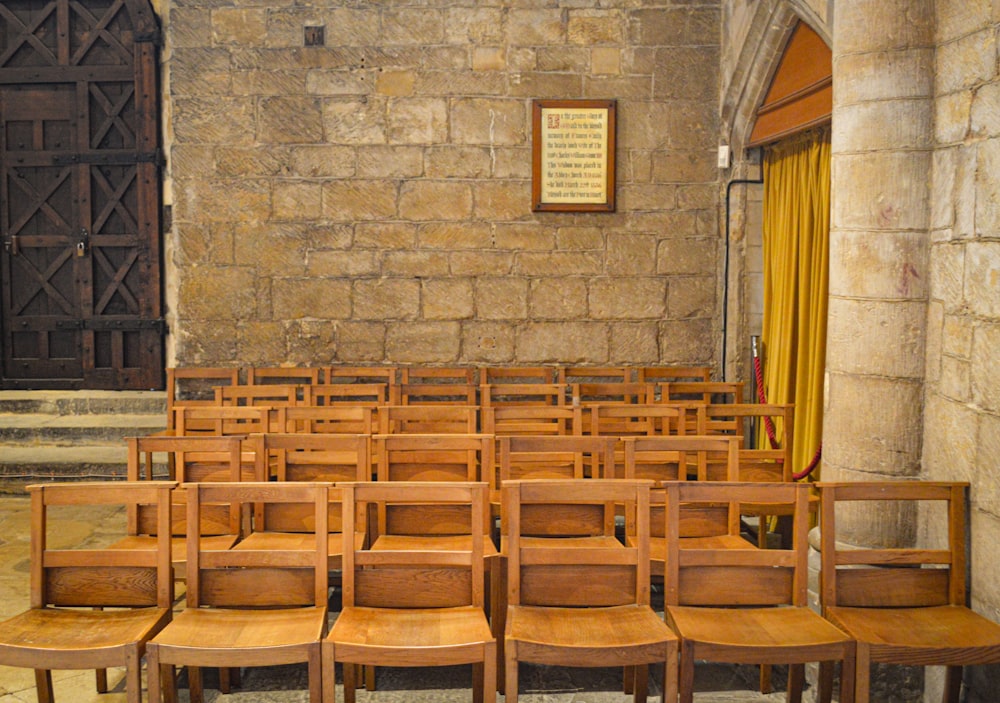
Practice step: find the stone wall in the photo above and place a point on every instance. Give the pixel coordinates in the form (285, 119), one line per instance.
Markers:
(961, 436)
(369, 200)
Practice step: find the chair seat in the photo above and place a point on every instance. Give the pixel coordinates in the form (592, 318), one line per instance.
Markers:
(899, 633)
(80, 634)
(240, 630)
(593, 542)
(178, 545)
(410, 627)
(438, 543)
(298, 541)
(782, 629)
(625, 626)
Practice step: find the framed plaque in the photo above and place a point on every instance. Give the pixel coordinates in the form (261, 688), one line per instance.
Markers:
(573, 156)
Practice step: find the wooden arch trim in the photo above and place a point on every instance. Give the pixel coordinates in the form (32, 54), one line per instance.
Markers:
(801, 92)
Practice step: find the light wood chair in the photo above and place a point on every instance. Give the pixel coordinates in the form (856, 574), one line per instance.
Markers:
(381, 375)
(369, 395)
(748, 606)
(590, 394)
(219, 420)
(667, 374)
(438, 393)
(190, 386)
(247, 607)
(701, 392)
(333, 419)
(503, 395)
(435, 375)
(428, 419)
(270, 395)
(283, 375)
(638, 420)
(605, 618)
(413, 607)
(91, 608)
(904, 605)
(597, 374)
(489, 375)
(532, 420)
(678, 457)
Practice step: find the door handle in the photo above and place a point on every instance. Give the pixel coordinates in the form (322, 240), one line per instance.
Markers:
(81, 244)
(12, 245)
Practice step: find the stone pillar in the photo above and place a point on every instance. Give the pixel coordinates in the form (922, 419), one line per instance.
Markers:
(882, 140)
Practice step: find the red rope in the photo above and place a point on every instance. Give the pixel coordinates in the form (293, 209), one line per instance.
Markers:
(769, 424)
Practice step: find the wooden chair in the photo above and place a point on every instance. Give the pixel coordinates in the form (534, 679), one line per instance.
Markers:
(747, 606)
(638, 420)
(597, 374)
(605, 618)
(532, 420)
(701, 392)
(428, 419)
(368, 395)
(283, 375)
(193, 386)
(67, 625)
(384, 375)
(195, 459)
(333, 419)
(904, 605)
(678, 457)
(436, 375)
(438, 393)
(247, 607)
(220, 421)
(590, 394)
(489, 375)
(419, 607)
(268, 395)
(668, 374)
(504, 395)
(556, 457)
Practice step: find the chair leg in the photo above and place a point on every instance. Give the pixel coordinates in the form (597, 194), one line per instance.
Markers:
(328, 662)
(686, 673)
(628, 680)
(369, 672)
(477, 682)
(489, 672)
(498, 617)
(195, 685)
(510, 673)
(824, 683)
(133, 675)
(670, 674)
(952, 684)
(43, 684)
(862, 673)
(315, 666)
(765, 678)
(350, 682)
(153, 672)
(848, 674)
(796, 680)
(640, 679)
(101, 680)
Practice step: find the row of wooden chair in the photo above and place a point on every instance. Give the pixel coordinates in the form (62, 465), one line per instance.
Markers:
(94, 608)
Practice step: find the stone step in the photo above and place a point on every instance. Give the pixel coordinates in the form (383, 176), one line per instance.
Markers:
(84, 402)
(34, 429)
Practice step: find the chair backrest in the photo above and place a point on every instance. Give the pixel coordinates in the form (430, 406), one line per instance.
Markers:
(489, 375)
(722, 576)
(271, 395)
(249, 578)
(667, 374)
(438, 393)
(221, 420)
(616, 393)
(523, 457)
(597, 374)
(417, 578)
(435, 375)
(760, 463)
(205, 458)
(546, 573)
(637, 420)
(891, 575)
(701, 391)
(676, 458)
(312, 457)
(533, 420)
(371, 395)
(95, 577)
(194, 386)
(502, 395)
(333, 419)
(283, 376)
(362, 374)
(428, 419)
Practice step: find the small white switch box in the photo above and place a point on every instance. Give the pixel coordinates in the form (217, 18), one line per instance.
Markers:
(724, 155)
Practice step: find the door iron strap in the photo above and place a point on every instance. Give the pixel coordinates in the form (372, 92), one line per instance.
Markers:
(110, 159)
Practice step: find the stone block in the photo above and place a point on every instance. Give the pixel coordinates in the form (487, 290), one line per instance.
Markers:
(312, 342)
(447, 299)
(947, 275)
(489, 58)
(982, 278)
(455, 235)
(881, 191)
(563, 343)
(966, 62)
(412, 26)
(677, 26)
(190, 27)
(598, 87)
(985, 117)
(417, 121)
(529, 27)
(884, 75)
(239, 26)
(691, 297)
(501, 298)
(683, 166)
(565, 263)
(386, 299)
(205, 342)
(512, 162)
(590, 27)
(227, 121)
(348, 81)
(385, 235)
(348, 264)
(354, 122)
(435, 200)
(217, 293)
(323, 161)
(687, 342)
(319, 298)
(686, 73)
(872, 424)
(631, 254)
(385, 161)
(474, 24)
(562, 59)
(686, 256)
(959, 332)
(480, 263)
(360, 342)
(953, 116)
(953, 382)
(490, 121)
(271, 249)
(987, 200)
(634, 343)
(222, 201)
(395, 83)
(557, 298)
(417, 263)
(628, 298)
(524, 237)
(859, 331)
(606, 60)
(884, 125)
(892, 265)
(457, 162)
(460, 83)
(348, 201)
(290, 120)
(531, 84)
(297, 200)
(502, 200)
(986, 367)
(259, 343)
(248, 162)
(956, 19)
(344, 26)
(580, 238)
(423, 342)
(488, 342)
(874, 25)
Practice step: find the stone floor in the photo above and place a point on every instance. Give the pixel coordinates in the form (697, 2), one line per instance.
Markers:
(714, 684)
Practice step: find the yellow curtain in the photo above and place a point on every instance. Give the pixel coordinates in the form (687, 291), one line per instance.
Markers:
(796, 240)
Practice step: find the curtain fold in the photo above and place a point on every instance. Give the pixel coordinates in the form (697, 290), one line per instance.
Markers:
(796, 238)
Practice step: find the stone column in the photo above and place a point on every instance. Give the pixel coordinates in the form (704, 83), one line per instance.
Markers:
(883, 60)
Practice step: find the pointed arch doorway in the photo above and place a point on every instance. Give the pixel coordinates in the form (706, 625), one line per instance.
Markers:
(79, 195)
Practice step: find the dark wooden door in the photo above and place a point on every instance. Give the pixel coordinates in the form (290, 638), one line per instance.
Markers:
(79, 195)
